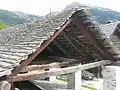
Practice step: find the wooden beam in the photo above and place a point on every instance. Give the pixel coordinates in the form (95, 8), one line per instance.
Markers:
(61, 48)
(50, 49)
(47, 66)
(39, 50)
(93, 51)
(82, 25)
(77, 49)
(50, 59)
(33, 75)
(61, 59)
(38, 67)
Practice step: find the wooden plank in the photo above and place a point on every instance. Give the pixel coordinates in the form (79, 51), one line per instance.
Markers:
(37, 67)
(65, 62)
(33, 75)
(39, 50)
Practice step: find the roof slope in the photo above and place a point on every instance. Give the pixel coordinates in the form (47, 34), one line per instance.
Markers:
(16, 43)
(19, 42)
(115, 36)
(108, 29)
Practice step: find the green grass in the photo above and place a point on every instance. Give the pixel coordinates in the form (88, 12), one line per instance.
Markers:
(62, 78)
(88, 87)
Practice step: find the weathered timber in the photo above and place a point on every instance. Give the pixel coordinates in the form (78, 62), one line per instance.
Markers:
(62, 63)
(86, 47)
(50, 49)
(33, 75)
(82, 25)
(72, 44)
(61, 59)
(61, 48)
(46, 66)
(38, 50)
(51, 59)
(38, 67)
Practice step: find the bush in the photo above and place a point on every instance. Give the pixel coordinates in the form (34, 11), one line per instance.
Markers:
(3, 25)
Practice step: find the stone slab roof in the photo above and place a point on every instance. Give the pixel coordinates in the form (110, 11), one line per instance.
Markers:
(108, 29)
(19, 42)
(16, 43)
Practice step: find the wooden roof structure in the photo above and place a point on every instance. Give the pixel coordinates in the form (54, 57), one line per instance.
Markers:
(115, 36)
(71, 34)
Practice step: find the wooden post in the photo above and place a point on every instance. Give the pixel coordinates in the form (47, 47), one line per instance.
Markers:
(111, 78)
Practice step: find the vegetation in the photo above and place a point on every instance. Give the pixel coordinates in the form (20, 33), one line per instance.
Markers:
(62, 78)
(3, 25)
(13, 18)
(88, 87)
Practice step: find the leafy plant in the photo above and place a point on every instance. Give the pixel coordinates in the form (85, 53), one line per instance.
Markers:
(3, 25)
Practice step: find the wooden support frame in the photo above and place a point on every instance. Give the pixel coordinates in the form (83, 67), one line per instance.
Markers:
(40, 49)
(47, 66)
(85, 46)
(33, 75)
(73, 45)
(51, 59)
(50, 49)
(81, 25)
(62, 59)
(63, 50)
(86, 33)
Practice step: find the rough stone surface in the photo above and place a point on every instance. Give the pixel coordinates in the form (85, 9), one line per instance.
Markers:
(108, 29)
(71, 81)
(111, 76)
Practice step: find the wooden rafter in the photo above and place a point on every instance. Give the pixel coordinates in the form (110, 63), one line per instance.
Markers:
(61, 48)
(61, 59)
(40, 49)
(90, 36)
(50, 49)
(87, 48)
(77, 49)
(50, 59)
(37, 74)
(48, 66)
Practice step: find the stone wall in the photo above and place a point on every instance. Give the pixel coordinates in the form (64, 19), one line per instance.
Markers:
(111, 76)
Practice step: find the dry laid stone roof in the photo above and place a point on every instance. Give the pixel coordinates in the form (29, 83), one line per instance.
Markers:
(17, 42)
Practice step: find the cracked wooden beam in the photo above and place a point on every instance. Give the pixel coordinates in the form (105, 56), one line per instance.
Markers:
(65, 62)
(37, 74)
